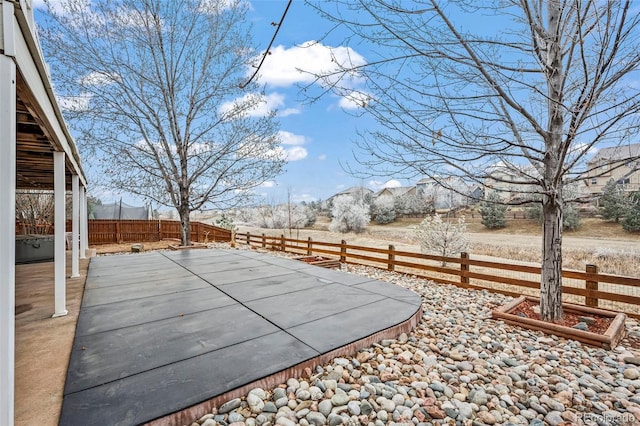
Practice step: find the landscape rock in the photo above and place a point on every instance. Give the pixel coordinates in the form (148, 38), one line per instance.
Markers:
(456, 367)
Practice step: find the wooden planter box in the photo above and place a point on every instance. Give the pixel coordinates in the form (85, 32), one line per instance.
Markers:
(324, 262)
(608, 340)
(192, 246)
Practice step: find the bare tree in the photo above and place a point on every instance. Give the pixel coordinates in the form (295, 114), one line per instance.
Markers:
(444, 238)
(35, 211)
(461, 88)
(152, 90)
(349, 214)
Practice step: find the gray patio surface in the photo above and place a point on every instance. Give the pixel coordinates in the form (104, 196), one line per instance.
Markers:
(160, 332)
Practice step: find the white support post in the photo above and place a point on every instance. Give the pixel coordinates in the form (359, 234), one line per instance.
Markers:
(83, 223)
(7, 229)
(75, 226)
(59, 278)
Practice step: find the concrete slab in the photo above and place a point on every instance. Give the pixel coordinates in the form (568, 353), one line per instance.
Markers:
(244, 274)
(154, 275)
(157, 392)
(132, 312)
(333, 275)
(104, 357)
(333, 331)
(291, 309)
(226, 264)
(391, 291)
(121, 293)
(245, 291)
(167, 340)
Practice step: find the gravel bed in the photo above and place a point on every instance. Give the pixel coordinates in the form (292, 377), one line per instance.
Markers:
(457, 367)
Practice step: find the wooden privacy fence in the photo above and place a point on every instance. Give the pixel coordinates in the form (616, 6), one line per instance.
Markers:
(104, 231)
(588, 287)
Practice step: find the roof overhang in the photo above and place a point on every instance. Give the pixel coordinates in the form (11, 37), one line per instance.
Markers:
(40, 126)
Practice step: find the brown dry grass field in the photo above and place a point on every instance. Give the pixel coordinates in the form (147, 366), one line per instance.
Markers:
(598, 242)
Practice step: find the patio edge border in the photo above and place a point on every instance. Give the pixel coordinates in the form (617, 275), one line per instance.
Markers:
(190, 414)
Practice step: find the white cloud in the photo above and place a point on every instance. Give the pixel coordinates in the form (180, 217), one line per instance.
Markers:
(285, 67)
(288, 138)
(268, 184)
(75, 103)
(296, 153)
(322, 157)
(355, 100)
(378, 185)
(215, 7)
(579, 147)
(291, 146)
(287, 112)
(264, 105)
(303, 197)
(98, 79)
(58, 6)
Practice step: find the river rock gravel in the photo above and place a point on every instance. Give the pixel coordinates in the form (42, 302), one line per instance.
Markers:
(457, 367)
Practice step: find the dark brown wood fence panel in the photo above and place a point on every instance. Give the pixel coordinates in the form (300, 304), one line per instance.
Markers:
(102, 231)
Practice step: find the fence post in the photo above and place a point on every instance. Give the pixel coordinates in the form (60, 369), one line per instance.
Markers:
(591, 285)
(309, 249)
(159, 230)
(343, 251)
(392, 258)
(248, 236)
(118, 232)
(282, 247)
(264, 241)
(464, 267)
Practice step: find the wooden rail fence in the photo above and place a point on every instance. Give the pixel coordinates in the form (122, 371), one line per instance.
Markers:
(104, 231)
(588, 287)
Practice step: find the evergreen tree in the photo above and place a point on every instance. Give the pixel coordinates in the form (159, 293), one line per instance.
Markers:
(613, 202)
(384, 215)
(492, 212)
(570, 218)
(631, 221)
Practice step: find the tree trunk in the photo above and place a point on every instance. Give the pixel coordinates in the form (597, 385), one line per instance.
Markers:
(551, 283)
(185, 226)
(552, 203)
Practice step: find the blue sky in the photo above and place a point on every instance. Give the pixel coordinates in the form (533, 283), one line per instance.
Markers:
(322, 133)
(317, 137)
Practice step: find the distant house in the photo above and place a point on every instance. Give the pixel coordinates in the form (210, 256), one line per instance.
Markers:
(620, 163)
(357, 192)
(396, 192)
(510, 182)
(447, 193)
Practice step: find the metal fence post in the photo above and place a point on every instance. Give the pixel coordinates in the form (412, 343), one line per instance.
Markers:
(248, 237)
(392, 257)
(282, 245)
(591, 286)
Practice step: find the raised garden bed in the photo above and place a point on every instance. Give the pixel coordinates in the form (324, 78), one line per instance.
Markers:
(596, 327)
(192, 246)
(321, 261)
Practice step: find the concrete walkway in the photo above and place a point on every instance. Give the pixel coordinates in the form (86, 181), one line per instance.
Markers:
(164, 332)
